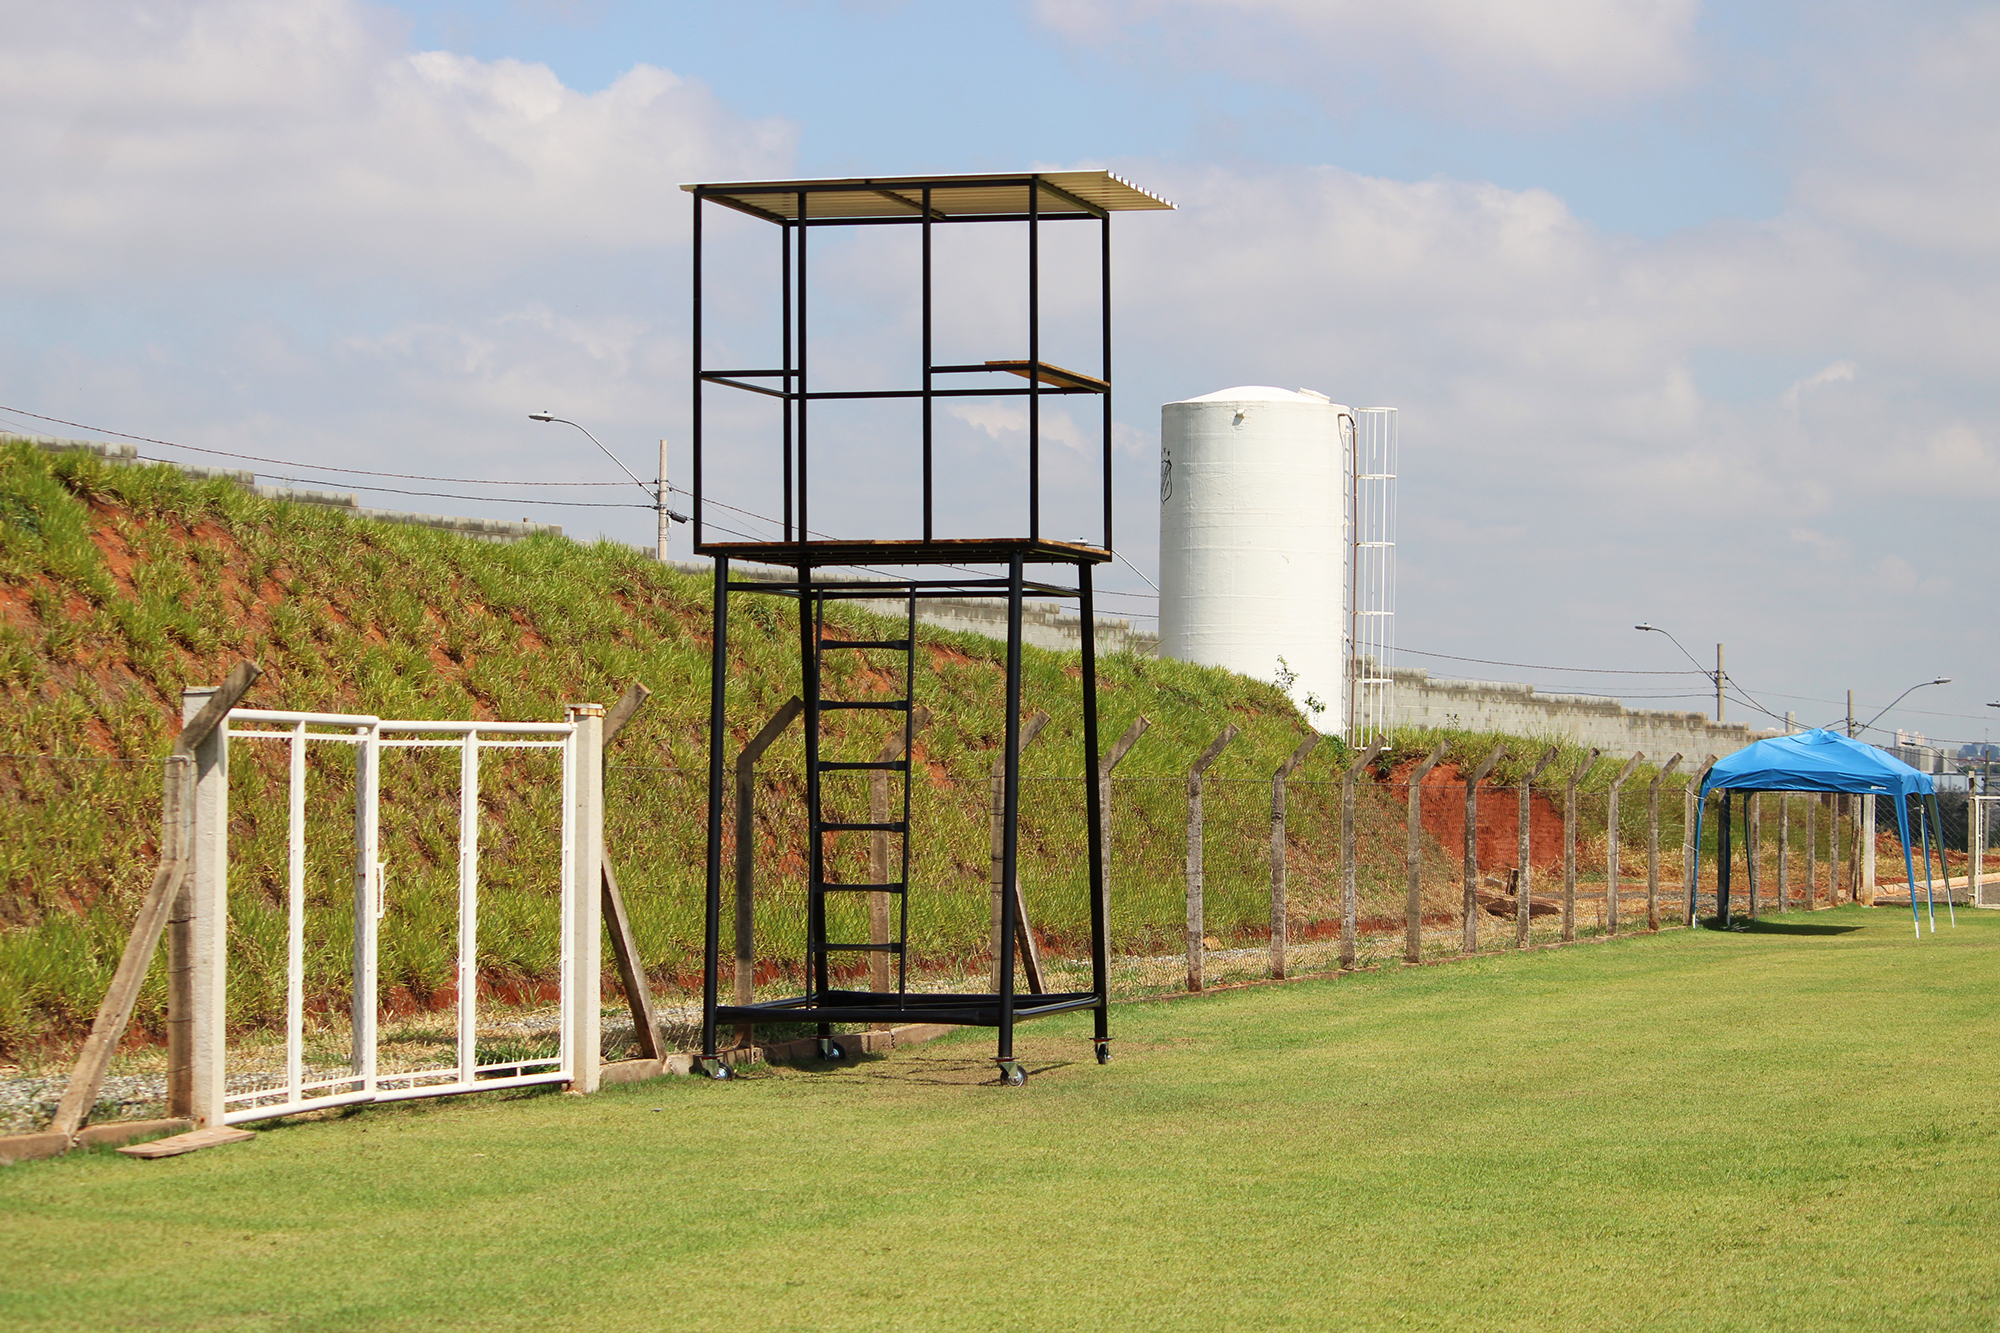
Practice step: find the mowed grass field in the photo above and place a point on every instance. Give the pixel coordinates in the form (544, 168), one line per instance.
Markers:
(1789, 1128)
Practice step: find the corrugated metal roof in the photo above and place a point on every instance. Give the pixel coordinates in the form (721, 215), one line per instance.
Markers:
(989, 194)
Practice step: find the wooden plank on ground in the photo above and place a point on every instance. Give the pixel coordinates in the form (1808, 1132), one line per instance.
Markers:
(192, 1141)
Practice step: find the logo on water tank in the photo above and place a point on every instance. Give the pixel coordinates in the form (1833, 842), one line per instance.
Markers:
(1166, 476)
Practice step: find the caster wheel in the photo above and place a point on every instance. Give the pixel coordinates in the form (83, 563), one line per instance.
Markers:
(830, 1049)
(721, 1072)
(1104, 1052)
(1013, 1075)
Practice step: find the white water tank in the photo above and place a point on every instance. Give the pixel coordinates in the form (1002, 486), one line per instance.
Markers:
(1254, 491)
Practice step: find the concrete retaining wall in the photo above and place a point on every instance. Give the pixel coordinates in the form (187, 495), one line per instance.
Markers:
(1518, 710)
(1048, 625)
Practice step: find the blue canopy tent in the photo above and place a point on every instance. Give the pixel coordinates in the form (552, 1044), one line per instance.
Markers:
(1814, 761)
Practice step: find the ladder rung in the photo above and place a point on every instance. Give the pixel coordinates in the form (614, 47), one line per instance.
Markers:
(898, 705)
(896, 826)
(861, 888)
(873, 765)
(856, 948)
(895, 645)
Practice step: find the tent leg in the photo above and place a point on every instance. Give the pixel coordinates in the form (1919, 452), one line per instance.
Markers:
(1723, 856)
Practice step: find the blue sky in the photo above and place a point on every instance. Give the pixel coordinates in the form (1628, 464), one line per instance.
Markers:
(850, 77)
(1687, 308)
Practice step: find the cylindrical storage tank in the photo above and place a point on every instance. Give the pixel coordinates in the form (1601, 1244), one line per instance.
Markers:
(1254, 542)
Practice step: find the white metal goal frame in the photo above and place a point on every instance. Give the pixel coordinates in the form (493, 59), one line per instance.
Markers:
(1982, 828)
(202, 1048)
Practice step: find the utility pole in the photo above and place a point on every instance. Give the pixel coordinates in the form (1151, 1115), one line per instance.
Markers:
(660, 504)
(1719, 678)
(1850, 714)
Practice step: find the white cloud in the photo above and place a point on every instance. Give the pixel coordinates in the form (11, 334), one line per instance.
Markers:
(1907, 148)
(1840, 372)
(1535, 55)
(298, 140)
(271, 228)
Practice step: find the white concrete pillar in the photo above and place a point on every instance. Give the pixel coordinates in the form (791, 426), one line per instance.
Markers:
(586, 930)
(208, 919)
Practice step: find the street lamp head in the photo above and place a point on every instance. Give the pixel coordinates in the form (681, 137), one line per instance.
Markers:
(1942, 680)
(541, 416)
(1643, 625)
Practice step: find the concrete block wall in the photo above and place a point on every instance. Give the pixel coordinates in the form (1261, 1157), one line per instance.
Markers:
(1518, 710)
(1048, 625)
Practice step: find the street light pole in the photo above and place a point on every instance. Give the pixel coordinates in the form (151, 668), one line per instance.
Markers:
(1717, 675)
(1941, 680)
(657, 493)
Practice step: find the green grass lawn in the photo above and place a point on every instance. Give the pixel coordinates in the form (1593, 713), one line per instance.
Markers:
(1790, 1128)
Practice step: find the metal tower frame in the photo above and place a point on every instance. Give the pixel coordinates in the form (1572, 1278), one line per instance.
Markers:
(797, 208)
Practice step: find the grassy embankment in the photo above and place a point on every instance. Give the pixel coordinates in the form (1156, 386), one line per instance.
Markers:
(120, 584)
(1789, 1129)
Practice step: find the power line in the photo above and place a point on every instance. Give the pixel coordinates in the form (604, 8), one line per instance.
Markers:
(316, 467)
(483, 499)
(1532, 666)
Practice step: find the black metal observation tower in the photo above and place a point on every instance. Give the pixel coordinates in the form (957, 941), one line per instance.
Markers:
(919, 563)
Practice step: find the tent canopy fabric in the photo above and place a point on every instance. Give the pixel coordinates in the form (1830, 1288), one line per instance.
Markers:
(1819, 760)
(1816, 760)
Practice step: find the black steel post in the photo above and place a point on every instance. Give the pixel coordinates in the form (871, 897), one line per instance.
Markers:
(1034, 359)
(928, 399)
(805, 534)
(1100, 903)
(718, 735)
(785, 337)
(694, 419)
(1010, 807)
(909, 773)
(1105, 317)
(1724, 854)
(816, 969)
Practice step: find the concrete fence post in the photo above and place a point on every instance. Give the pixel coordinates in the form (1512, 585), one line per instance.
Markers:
(618, 922)
(197, 988)
(1278, 905)
(1868, 850)
(1003, 899)
(1523, 874)
(1195, 948)
(1784, 851)
(1470, 905)
(746, 856)
(1413, 861)
(1833, 851)
(1110, 761)
(1611, 841)
(177, 794)
(585, 983)
(1569, 843)
(1753, 845)
(1347, 895)
(1812, 852)
(1653, 842)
